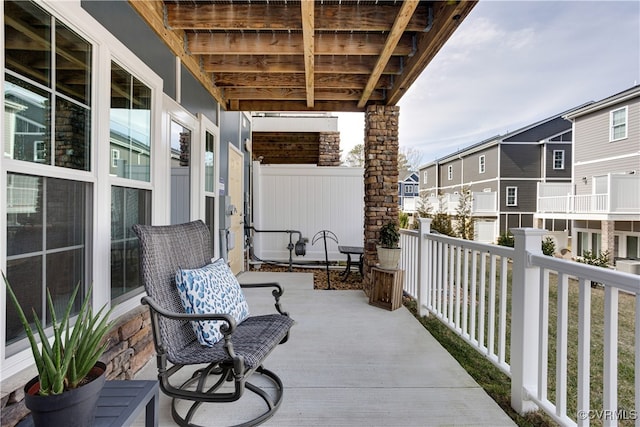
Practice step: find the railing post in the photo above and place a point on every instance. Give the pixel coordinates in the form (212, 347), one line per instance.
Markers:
(525, 309)
(423, 266)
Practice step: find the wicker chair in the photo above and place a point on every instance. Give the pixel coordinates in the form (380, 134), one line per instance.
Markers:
(164, 250)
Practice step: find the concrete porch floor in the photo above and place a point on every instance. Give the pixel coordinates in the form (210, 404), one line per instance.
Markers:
(348, 363)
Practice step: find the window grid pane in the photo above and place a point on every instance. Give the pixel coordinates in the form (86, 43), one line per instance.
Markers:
(47, 223)
(130, 206)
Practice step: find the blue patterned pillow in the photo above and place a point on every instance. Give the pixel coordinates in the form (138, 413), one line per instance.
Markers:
(211, 289)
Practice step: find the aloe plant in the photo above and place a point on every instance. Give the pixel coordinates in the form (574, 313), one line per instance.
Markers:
(64, 362)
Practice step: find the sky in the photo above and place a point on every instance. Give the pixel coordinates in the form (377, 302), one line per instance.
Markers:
(510, 64)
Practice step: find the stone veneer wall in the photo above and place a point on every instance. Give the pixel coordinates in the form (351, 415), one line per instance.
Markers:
(329, 144)
(380, 178)
(131, 348)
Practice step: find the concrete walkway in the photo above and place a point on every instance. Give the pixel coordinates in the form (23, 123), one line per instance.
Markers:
(351, 364)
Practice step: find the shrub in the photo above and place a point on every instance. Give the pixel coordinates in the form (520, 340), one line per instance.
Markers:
(548, 246)
(506, 239)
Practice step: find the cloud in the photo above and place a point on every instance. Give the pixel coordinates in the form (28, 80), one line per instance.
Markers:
(513, 63)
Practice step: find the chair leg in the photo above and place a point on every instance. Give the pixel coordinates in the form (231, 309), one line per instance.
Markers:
(272, 402)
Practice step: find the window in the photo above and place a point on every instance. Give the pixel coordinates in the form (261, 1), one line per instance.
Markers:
(618, 124)
(450, 172)
(54, 95)
(558, 159)
(424, 177)
(512, 196)
(48, 223)
(209, 164)
(633, 249)
(130, 206)
(130, 141)
(481, 164)
(115, 156)
(47, 98)
(130, 125)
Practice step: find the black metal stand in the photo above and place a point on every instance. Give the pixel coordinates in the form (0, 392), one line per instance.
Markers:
(325, 234)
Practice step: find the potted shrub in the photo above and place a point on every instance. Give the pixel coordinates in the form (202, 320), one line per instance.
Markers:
(388, 250)
(70, 377)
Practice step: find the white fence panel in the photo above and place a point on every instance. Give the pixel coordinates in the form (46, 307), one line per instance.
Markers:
(307, 198)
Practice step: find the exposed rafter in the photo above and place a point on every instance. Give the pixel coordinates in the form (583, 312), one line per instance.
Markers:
(399, 26)
(308, 31)
(303, 55)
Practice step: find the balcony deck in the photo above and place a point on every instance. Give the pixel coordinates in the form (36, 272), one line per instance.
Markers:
(352, 364)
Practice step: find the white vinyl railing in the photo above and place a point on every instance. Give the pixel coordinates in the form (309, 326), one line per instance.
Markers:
(483, 291)
(614, 193)
(485, 202)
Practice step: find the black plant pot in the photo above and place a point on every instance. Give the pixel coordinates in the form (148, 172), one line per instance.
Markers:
(74, 408)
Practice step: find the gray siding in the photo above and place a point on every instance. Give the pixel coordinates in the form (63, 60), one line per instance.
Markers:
(552, 173)
(472, 162)
(125, 23)
(527, 195)
(592, 133)
(519, 161)
(624, 165)
(457, 173)
(196, 98)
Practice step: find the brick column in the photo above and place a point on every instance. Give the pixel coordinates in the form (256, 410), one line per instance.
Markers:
(608, 242)
(329, 149)
(380, 178)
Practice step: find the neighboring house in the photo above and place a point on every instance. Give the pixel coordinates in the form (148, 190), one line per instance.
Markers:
(603, 199)
(408, 191)
(502, 173)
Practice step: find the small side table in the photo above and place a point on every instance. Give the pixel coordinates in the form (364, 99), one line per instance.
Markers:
(349, 250)
(386, 288)
(121, 402)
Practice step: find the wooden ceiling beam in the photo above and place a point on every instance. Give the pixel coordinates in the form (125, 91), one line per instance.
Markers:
(299, 94)
(280, 105)
(152, 12)
(295, 64)
(447, 17)
(253, 16)
(293, 44)
(326, 81)
(397, 31)
(307, 12)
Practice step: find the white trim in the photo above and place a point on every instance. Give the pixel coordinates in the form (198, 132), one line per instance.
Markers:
(561, 160)
(207, 126)
(606, 159)
(626, 124)
(515, 196)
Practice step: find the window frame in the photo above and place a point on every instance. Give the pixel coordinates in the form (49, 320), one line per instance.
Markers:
(450, 173)
(425, 177)
(482, 164)
(613, 126)
(51, 171)
(561, 166)
(514, 202)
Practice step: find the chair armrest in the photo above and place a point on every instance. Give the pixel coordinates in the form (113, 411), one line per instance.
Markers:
(225, 329)
(277, 293)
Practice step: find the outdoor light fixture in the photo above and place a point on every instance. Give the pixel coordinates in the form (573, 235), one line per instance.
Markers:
(584, 179)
